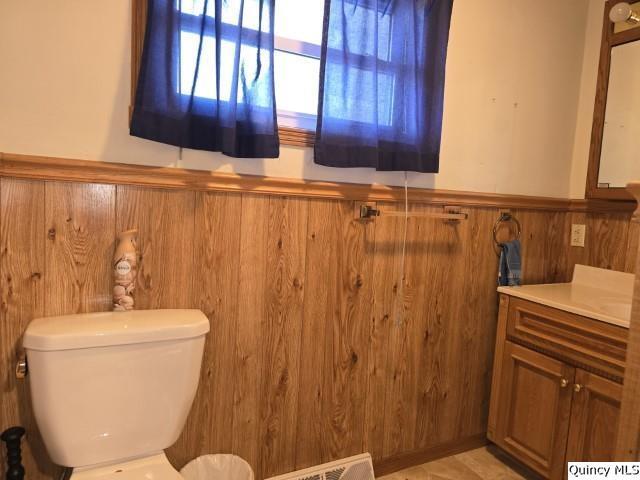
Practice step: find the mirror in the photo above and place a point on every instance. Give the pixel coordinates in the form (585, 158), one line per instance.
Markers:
(620, 156)
(614, 159)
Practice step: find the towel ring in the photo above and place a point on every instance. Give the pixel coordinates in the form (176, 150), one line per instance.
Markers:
(506, 217)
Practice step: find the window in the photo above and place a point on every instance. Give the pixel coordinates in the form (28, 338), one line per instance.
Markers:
(298, 36)
(358, 69)
(298, 32)
(383, 77)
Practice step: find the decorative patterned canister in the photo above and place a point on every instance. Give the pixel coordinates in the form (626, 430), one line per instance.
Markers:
(125, 269)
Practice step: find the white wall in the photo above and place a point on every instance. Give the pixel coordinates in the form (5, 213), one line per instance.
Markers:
(513, 83)
(591, 59)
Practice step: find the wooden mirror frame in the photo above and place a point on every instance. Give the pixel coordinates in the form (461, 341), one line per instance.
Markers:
(610, 39)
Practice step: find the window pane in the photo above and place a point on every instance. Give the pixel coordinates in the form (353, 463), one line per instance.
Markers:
(296, 76)
(206, 82)
(362, 109)
(296, 79)
(192, 7)
(231, 12)
(250, 14)
(300, 20)
(358, 41)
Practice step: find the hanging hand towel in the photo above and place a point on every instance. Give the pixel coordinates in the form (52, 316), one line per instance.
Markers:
(510, 264)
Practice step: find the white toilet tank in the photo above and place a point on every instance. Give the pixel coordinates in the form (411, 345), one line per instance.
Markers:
(116, 385)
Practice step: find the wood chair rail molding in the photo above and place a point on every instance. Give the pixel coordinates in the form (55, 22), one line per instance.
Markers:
(609, 40)
(85, 171)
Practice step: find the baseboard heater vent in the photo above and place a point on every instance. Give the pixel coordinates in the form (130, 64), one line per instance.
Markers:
(358, 467)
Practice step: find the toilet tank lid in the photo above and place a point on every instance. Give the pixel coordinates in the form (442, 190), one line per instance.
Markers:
(104, 329)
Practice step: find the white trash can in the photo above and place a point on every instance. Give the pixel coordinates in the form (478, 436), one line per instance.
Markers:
(217, 467)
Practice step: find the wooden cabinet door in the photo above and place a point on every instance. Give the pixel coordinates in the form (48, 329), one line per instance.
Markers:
(594, 418)
(534, 409)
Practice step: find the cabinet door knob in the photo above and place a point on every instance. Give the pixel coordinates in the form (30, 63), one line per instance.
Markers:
(564, 382)
(577, 387)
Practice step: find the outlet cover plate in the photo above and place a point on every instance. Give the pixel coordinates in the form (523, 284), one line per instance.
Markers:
(578, 232)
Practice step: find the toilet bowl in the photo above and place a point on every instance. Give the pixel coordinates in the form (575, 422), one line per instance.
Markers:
(111, 391)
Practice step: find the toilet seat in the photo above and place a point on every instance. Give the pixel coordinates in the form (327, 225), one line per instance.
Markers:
(153, 467)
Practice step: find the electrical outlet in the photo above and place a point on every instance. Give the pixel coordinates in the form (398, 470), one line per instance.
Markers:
(577, 234)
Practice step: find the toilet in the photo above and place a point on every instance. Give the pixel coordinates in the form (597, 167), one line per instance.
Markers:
(110, 391)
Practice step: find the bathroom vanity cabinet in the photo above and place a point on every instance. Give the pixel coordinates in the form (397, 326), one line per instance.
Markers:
(557, 386)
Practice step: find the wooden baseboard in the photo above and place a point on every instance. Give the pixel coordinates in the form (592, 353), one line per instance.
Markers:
(513, 463)
(418, 457)
(70, 170)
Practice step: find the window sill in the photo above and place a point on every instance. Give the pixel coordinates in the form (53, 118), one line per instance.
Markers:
(296, 137)
(292, 137)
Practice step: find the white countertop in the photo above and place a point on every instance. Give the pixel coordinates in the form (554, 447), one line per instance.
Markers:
(596, 293)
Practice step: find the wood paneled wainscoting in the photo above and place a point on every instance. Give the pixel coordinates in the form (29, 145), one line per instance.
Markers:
(316, 350)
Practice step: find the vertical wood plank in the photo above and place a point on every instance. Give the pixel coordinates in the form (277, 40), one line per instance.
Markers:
(632, 247)
(80, 221)
(439, 242)
(473, 298)
(337, 309)
(533, 242)
(606, 240)
(544, 240)
(22, 272)
(406, 341)
(252, 285)
(558, 241)
(320, 273)
(165, 223)
(386, 271)
(216, 255)
(281, 342)
(346, 337)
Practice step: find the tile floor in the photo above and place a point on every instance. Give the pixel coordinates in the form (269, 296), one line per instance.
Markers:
(480, 464)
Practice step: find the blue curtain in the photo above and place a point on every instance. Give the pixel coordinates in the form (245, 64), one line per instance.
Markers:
(382, 84)
(206, 77)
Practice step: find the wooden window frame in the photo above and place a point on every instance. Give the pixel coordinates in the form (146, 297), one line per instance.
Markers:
(296, 137)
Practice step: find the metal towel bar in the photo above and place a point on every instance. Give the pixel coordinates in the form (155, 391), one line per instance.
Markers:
(368, 212)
